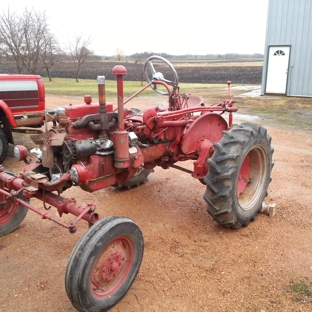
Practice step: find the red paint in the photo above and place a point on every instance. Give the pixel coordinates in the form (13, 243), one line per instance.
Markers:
(112, 267)
(244, 176)
(20, 94)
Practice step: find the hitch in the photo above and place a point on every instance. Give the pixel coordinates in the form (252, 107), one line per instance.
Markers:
(18, 188)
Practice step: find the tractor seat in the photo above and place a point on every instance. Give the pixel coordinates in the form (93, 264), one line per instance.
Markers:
(193, 101)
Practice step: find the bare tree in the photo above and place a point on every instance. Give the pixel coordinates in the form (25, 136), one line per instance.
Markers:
(51, 55)
(79, 52)
(119, 55)
(26, 41)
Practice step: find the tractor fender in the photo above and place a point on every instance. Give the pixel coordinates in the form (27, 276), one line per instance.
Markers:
(8, 113)
(7, 120)
(208, 126)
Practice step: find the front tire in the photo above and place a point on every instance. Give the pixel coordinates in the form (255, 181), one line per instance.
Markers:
(11, 216)
(239, 175)
(104, 264)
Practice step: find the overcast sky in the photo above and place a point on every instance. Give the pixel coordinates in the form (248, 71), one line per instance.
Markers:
(169, 26)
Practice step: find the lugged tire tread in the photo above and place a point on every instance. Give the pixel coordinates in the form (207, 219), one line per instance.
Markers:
(223, 169)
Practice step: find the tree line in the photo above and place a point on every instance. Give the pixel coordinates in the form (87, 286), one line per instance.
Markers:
(27, 42)
(138, 57)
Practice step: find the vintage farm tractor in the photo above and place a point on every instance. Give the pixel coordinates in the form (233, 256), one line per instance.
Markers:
(97, 145)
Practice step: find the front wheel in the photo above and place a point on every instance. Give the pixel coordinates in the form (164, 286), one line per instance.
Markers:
(11, 215)
(104, 264)
(239, 175)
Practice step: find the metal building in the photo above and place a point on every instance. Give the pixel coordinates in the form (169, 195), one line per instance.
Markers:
(287, 66)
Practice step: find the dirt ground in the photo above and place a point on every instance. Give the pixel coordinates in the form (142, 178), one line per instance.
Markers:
(190, 262)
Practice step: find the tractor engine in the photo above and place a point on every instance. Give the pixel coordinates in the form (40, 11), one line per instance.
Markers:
(86, 141)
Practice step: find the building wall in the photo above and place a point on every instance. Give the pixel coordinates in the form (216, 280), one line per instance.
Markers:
(289, 23)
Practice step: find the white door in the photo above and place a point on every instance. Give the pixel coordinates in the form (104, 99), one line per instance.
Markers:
(278, 61)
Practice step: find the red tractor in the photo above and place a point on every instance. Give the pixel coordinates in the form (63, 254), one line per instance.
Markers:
(97, 145)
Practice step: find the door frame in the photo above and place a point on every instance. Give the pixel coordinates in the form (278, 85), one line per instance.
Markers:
(287, 69)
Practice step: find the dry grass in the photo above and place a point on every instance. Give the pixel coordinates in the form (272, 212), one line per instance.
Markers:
(220, 64)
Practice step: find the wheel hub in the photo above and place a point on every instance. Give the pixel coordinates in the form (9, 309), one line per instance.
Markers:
(111, 266)
(7, 211)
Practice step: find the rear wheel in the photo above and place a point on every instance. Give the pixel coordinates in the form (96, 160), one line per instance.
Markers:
(104, 264)
(239, 175)
(4, 146)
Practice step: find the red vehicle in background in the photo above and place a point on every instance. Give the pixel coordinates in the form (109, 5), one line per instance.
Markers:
(22, 107)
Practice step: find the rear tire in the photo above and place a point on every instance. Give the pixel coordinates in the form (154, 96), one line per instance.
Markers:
(239, 175)
(104, 264)
(4, 146)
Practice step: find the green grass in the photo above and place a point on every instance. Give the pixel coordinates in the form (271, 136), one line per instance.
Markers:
(286, 111)
(69, 87)
(302, 291)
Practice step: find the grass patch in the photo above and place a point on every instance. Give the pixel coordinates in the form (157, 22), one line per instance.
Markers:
(218, 64)
(302, 291)
(69, 87)
(287, 111)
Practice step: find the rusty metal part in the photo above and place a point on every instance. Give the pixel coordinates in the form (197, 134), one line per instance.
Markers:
(120, 71)
(12, 185)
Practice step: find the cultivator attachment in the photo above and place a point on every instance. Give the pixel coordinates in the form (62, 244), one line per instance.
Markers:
(17, 190)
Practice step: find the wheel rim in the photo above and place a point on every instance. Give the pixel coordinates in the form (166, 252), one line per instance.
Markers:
(7, 212)
(251, 178)
(112, 267)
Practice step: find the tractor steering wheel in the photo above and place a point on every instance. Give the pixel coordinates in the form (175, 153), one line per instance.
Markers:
(151, 74)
